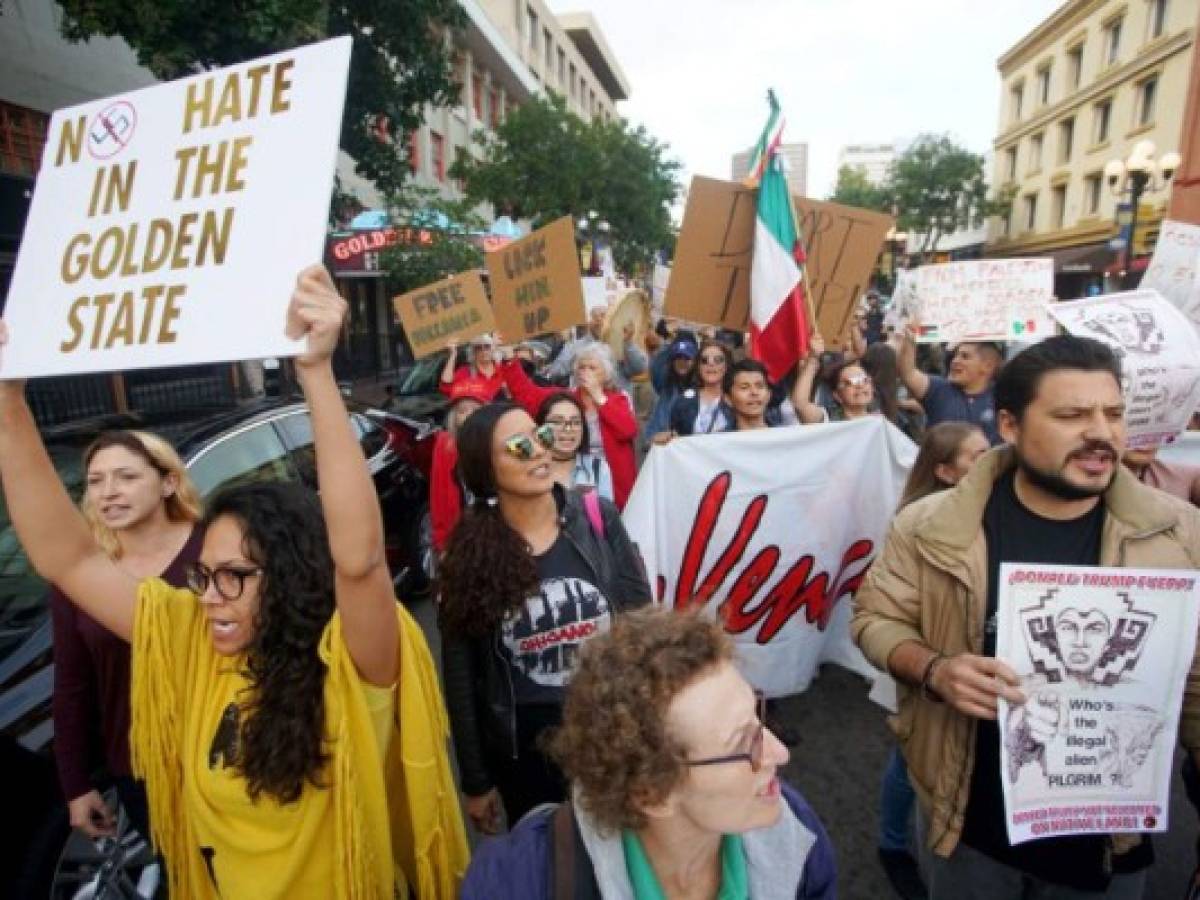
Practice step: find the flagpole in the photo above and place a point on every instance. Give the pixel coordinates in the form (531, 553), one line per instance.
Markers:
(808, 299)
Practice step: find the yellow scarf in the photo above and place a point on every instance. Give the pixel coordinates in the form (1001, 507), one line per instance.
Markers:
(391, 824)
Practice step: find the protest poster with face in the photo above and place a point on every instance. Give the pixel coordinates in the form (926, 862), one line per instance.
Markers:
(981, 300)
(1103, 655)
(452, 310)
(535, 282)
(168, 224)
(1159, 353)
(1174, 270)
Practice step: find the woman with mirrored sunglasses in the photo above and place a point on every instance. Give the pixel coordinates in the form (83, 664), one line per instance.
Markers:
(676, 787)
(266, 698)
(573, 465)
(851, 387)
(702, 408)
(528, 576)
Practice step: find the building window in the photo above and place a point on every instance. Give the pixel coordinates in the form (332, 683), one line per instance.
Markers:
(1112, 42)
(1075, 66)
(477, 95)
(437, 153)
(548, 47)
(1016, 96)
(1035, 151)
(1102, 121)
(531, 24)
(22, 137)
(1157, 20)
(562, 68)
(1043, 86)
(1030, 212)
(494, 109)
(1146, 96)
(1066, 140)
(1010, 163)
(414, 152)
(1091, 195)
(1058, 205)
(572, 82)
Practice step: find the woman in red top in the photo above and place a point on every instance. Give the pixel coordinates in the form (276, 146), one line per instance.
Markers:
(144, 511)
(482, 367)
(611, 422)
(445, 492)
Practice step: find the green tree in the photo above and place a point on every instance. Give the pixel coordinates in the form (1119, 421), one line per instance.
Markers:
(544, 162)
(854, 188)
(450, 248)
(938, 188)
(400, 59)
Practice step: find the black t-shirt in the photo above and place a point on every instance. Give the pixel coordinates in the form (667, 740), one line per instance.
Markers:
(541, 640)
(1015, 534)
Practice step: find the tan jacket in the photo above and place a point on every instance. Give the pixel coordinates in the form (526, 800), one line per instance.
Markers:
(929, 584)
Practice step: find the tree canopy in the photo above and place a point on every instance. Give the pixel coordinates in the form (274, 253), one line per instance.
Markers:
(854, 188)
(400, 59)
(544, 162)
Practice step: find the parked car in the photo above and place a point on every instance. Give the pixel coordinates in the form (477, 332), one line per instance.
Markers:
(265, 440)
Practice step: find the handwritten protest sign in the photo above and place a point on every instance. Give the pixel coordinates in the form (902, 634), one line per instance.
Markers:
(536, 286)
(168, 224)
(982, 300)
(710, 275)
(452, 310)
(1103, 656)
(1160, 356)
(1174, 271)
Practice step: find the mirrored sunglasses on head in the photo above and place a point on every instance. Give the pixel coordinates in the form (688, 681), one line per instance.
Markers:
(521, 446)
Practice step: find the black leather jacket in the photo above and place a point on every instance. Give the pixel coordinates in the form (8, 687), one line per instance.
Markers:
(478, 679)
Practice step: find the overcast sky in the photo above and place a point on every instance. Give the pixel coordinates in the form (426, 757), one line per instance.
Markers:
(845, 71)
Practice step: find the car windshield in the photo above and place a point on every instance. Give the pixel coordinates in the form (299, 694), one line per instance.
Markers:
(22, 592)
(423, 377)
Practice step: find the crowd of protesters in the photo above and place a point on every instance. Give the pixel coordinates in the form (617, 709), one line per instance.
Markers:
(272, 716)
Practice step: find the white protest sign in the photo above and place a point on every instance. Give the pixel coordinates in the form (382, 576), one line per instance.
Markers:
(1174, 271)
(595, 293)
(1103, 656)
(658, 289)
(1160, 357)
(982, 300)
(722, 525)
(168, 224)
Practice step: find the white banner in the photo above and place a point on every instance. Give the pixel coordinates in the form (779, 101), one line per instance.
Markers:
(772, 531)
(1103, 656)
(1174, 270)
(982, 300)
(168, 224)
(1160, 356)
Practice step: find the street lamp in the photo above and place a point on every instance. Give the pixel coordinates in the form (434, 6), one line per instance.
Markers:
(1134, 176)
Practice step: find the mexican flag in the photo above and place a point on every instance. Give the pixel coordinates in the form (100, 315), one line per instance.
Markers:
(779, 327)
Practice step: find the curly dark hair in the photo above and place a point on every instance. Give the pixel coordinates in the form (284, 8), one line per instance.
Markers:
(614, 744)
(280, 744)
(488, 569)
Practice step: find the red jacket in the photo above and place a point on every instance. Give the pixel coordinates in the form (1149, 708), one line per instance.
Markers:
(495, 383)
(445, 496)
(618, 424)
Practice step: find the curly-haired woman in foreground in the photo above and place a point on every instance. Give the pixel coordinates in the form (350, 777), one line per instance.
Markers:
(266, 700)
(676, 790)
(529, 575)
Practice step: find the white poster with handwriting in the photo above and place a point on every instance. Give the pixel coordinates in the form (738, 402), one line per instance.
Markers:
(1103, 656)
(168, 224)
(982, 300)
(1174, 270)
(1160, 358)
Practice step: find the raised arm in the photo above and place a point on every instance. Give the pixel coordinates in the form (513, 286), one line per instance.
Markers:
(809, 412)
(914, 379)
(363, 585)
(53, 532)
(448, 369)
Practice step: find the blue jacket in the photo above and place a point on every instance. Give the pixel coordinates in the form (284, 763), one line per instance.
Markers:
(666, 388)
(795, 851)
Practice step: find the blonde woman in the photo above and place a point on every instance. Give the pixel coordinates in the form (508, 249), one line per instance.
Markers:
(144, 512)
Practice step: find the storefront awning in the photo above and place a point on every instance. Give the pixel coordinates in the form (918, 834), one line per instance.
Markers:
(1090, 259)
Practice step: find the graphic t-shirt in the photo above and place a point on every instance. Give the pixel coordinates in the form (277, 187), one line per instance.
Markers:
(543, 637)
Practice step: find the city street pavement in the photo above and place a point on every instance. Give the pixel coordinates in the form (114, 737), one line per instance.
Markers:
(844, 742)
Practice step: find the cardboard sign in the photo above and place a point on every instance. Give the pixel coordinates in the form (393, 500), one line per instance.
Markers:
(168, 224)
(1174, 271)
(710, 275)
(1159, 353)
(536, 286)
(982, 300)
(452, 310)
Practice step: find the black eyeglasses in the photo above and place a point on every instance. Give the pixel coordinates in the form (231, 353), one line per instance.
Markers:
(522, 446)
(572, 424)
(229, 581)
(754, 753)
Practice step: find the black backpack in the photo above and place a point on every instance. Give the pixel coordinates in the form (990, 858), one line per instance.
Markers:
(571, 873)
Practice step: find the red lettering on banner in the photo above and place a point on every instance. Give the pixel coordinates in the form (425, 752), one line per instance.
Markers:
(797, 590)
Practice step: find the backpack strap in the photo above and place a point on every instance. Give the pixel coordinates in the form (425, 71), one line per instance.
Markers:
(563, 825)
(591, 506)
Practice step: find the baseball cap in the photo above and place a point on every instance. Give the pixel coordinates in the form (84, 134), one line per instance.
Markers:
(470, 389)
(684, 348)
